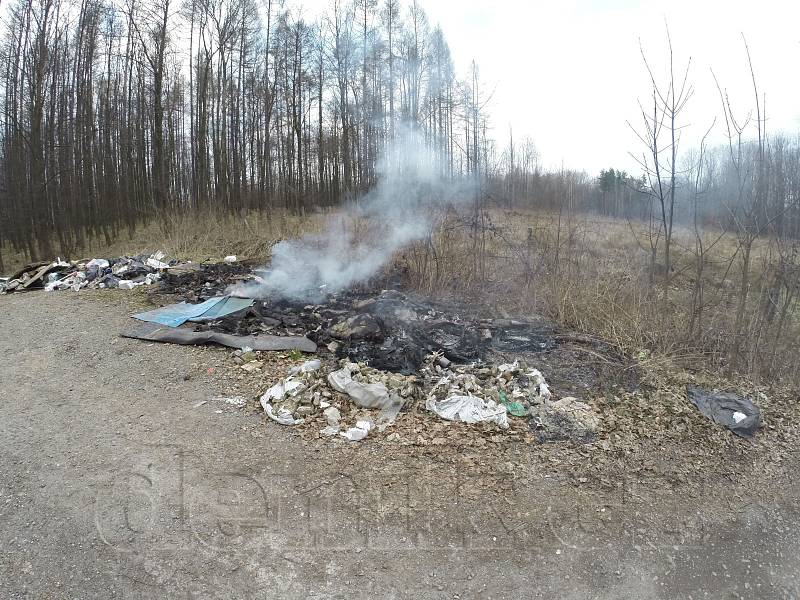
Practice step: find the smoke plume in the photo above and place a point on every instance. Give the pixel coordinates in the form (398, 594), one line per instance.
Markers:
(357, 242)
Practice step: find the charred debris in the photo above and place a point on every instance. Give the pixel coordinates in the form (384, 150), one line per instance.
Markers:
(383, 349)
(388, 329)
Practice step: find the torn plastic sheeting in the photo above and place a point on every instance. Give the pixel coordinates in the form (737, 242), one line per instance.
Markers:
(736, 413)
(287, 387)
(365, 395)
(228, 306)
(159, 333)
(389, 412)
(174, 315)
(283, 416)
(469, 409)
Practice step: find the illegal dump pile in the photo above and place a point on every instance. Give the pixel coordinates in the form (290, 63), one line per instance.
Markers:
(467, 393)
(124, 273)
(382, 354)
(389, 330)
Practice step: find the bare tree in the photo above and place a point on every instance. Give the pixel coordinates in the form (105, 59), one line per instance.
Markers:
(660, 134)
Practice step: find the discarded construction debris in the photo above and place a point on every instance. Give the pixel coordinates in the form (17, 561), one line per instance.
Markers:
(174, 315)
(126, 272)
(152, 332)
(468, 393)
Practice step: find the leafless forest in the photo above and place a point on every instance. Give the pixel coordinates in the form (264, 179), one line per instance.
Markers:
(122, 116)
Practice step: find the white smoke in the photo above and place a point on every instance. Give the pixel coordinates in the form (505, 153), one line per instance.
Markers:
(358, 242)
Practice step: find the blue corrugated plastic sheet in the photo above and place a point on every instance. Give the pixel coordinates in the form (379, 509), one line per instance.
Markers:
(174, 315)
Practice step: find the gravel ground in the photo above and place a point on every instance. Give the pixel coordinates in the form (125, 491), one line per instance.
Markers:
(116, 482)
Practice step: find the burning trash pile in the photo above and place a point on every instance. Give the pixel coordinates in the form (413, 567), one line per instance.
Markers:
(470, 394)
(124, 273)
(204, 280)
(381, 355)
(391, 331)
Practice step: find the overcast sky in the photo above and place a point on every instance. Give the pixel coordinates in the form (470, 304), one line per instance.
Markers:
(569, 72)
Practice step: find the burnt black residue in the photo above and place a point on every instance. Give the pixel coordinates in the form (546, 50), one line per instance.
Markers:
(389, 330)
(395, 330)
(195, 283)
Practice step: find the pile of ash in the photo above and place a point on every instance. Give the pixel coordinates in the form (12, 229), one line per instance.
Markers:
(390, 330)
(202, 281)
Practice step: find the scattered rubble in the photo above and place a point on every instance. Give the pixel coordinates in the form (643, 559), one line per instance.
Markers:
(382, 354)
(502, 384)
(468, 393)
(203, 281)
(309, 391)
(124, 273)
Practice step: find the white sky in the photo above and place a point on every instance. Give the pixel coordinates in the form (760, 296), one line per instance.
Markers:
(569, 72)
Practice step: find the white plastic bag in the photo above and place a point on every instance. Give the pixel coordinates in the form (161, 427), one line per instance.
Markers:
(359, 432)
(306, 367)
(101, 263)
(287, 387)
(283, 416)
(279, 391)
(155, 261)
(469, 409)
(365, 395)
(543, 390)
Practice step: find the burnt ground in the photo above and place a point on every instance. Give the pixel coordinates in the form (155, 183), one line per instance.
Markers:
(393, 329)
(116, 482)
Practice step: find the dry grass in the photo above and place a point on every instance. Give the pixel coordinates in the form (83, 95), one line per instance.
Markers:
(587, 273)
(593, 274)
(203, 237)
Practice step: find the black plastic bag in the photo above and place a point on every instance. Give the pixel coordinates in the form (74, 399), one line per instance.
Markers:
(736, 413)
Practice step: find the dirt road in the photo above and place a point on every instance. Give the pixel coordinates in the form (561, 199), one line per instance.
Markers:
(115, 482)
